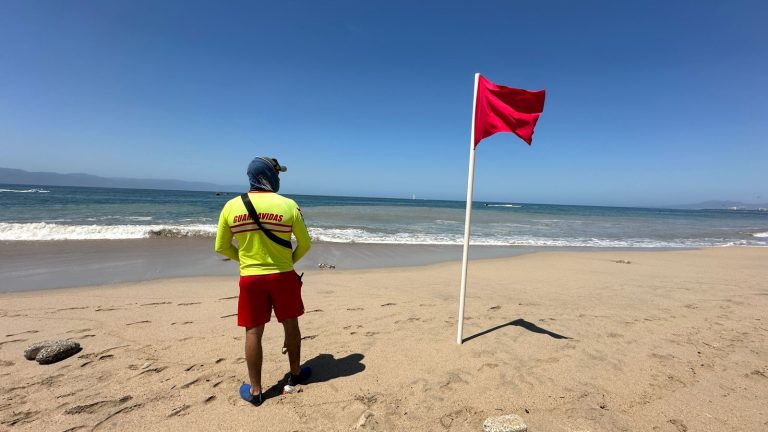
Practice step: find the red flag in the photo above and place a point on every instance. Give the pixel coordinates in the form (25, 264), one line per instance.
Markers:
(506, 109)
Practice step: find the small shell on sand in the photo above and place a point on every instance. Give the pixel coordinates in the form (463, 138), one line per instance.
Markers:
(48, 352)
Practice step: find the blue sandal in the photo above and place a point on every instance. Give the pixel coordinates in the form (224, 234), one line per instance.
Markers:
(245, 393)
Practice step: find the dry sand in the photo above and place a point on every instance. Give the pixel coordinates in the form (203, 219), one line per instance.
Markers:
(673, 341)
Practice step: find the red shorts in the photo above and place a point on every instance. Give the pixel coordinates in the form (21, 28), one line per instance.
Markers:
(260, 293)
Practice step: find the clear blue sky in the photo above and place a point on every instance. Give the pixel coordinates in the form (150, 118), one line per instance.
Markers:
(647, 102)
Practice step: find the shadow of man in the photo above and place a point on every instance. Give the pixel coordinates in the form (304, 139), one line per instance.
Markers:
(324, 368)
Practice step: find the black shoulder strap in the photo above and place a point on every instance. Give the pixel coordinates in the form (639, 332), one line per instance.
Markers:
(255, 216)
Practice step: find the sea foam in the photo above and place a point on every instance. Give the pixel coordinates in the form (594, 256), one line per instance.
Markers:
(56, 231)
(52, 231)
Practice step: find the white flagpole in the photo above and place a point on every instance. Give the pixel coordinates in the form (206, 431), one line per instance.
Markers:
(468, 218)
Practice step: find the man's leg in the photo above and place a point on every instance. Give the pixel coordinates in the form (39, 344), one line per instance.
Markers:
(292, 344)
(254, 356)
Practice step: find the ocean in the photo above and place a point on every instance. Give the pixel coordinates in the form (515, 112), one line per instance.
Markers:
(34, 213)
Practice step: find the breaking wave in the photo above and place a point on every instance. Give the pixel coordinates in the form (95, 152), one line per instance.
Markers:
(56, 231)
(53, 231)
(357, 235)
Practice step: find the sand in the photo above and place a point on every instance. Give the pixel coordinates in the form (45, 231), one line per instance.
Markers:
(672, 341)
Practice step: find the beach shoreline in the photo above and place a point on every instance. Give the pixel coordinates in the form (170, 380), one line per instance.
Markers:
(598, 341)
(40, 265)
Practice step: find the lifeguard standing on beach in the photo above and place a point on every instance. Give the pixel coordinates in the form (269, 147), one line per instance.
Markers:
(262, 223)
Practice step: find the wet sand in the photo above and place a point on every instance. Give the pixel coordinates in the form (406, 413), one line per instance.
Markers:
(672, 341)
(35, 265)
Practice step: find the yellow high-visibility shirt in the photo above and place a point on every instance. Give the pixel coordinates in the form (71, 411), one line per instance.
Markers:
(256, 253)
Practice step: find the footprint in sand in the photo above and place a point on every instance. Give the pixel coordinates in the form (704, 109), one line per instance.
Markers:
(355, 309)
(191, 383)
(24, 332)
(71, 308)
(182, 323)
(138, 322)
(50, 381)
(12, 341)
(188, 304)
(194, 367)
(497, 307)
(313, 310)
(120, 411)
(179, 410)
(5, 363)
(370, 333)
(21, 417)
(137, 367)
(310, 337)
(389, 304)
(102, 352)
(96, 407)
(156, 370)
(453, 379)
(681, 427)
(68, 394)
(447, 419)
(231, 378)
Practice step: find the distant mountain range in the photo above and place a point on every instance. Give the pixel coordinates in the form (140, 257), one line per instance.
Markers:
(17, 176)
